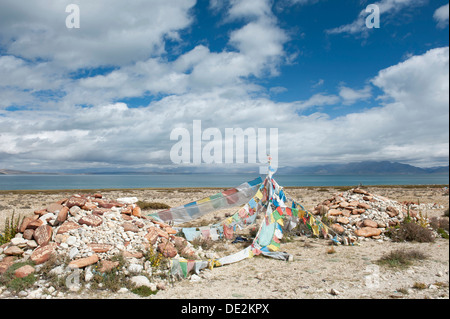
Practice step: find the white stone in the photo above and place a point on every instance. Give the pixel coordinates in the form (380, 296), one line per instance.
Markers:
(141, 281)
(88, 275)
(73, 252)
(127, 200)
(49, 216)
(71, 240)
(334, 292)
(18, 241)
(432, 287)
(135, 268)
(122, 290)
(58, 271)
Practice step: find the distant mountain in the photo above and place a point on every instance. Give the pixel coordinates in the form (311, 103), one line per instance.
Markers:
(12, 172)
(16, 172)
(438, 170)
(359, 168)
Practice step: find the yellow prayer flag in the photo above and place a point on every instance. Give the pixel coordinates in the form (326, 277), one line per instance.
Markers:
(259, 195)
(272, 219)
(315, 229)
(203, 200)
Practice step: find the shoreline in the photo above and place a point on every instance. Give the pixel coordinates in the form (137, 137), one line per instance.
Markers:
(87, 190)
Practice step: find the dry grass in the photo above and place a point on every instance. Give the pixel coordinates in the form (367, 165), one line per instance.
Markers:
(401, 258)
(412, 232)
(146, 205)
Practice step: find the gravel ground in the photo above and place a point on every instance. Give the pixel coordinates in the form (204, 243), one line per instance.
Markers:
(349, 272)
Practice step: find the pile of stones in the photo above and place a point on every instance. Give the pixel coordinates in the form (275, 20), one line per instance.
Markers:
(87, 230)
(357, 215)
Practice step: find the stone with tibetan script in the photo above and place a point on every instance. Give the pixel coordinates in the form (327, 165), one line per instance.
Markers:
(43, 253)
(100, 248)
(83, 262)
(76, 201)
(62, 215)
(67, 226)
(368, 232)
(137, 211)
(370, 223)
(24, 271)
(334, 212)
(91, 220)
(338, 228)
(152, 235)
(25, 223)
(167, 249)
(43, 234)
(130, 227)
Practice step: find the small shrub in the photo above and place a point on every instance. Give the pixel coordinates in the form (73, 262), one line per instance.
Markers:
(10, 281)
(10, 229)
(442, 233)
(146, 205)
(112, 280)
(199, 241)
(411, 232)
(143, 291)
(419, 285)
(403, 291)
(155, 258)
(441, 226)
(401, 258)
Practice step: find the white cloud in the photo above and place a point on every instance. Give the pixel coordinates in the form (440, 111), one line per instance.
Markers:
(319, 83)
(255, 49)
(412, 126)
(127, 32)
(441, 16)
(350, 96)
(248, 9)
(24, 75)
(409, 124)
(319, 99)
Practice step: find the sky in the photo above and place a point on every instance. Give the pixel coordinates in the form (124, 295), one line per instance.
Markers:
(109, 92)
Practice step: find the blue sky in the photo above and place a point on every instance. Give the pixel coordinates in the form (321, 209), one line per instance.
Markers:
(109, 94)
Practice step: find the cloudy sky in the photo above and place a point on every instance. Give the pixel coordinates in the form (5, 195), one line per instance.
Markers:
(109, 93)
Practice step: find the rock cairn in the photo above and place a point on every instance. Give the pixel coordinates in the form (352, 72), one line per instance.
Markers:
(89, 229)
(357, 214)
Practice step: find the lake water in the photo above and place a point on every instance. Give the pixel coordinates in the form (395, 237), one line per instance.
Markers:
(33, 182)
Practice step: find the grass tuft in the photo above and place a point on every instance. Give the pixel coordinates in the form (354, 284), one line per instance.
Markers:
(146, 205)
(401, 258)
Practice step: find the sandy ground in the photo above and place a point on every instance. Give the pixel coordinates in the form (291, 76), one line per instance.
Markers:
(350, 272)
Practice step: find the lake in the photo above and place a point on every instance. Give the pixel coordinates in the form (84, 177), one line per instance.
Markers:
(34, 182)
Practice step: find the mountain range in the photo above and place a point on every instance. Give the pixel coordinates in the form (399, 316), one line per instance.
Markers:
(360, 168)
(356, 168)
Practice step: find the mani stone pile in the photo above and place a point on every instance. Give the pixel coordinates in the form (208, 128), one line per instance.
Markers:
(357, 215)
(88, 229)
